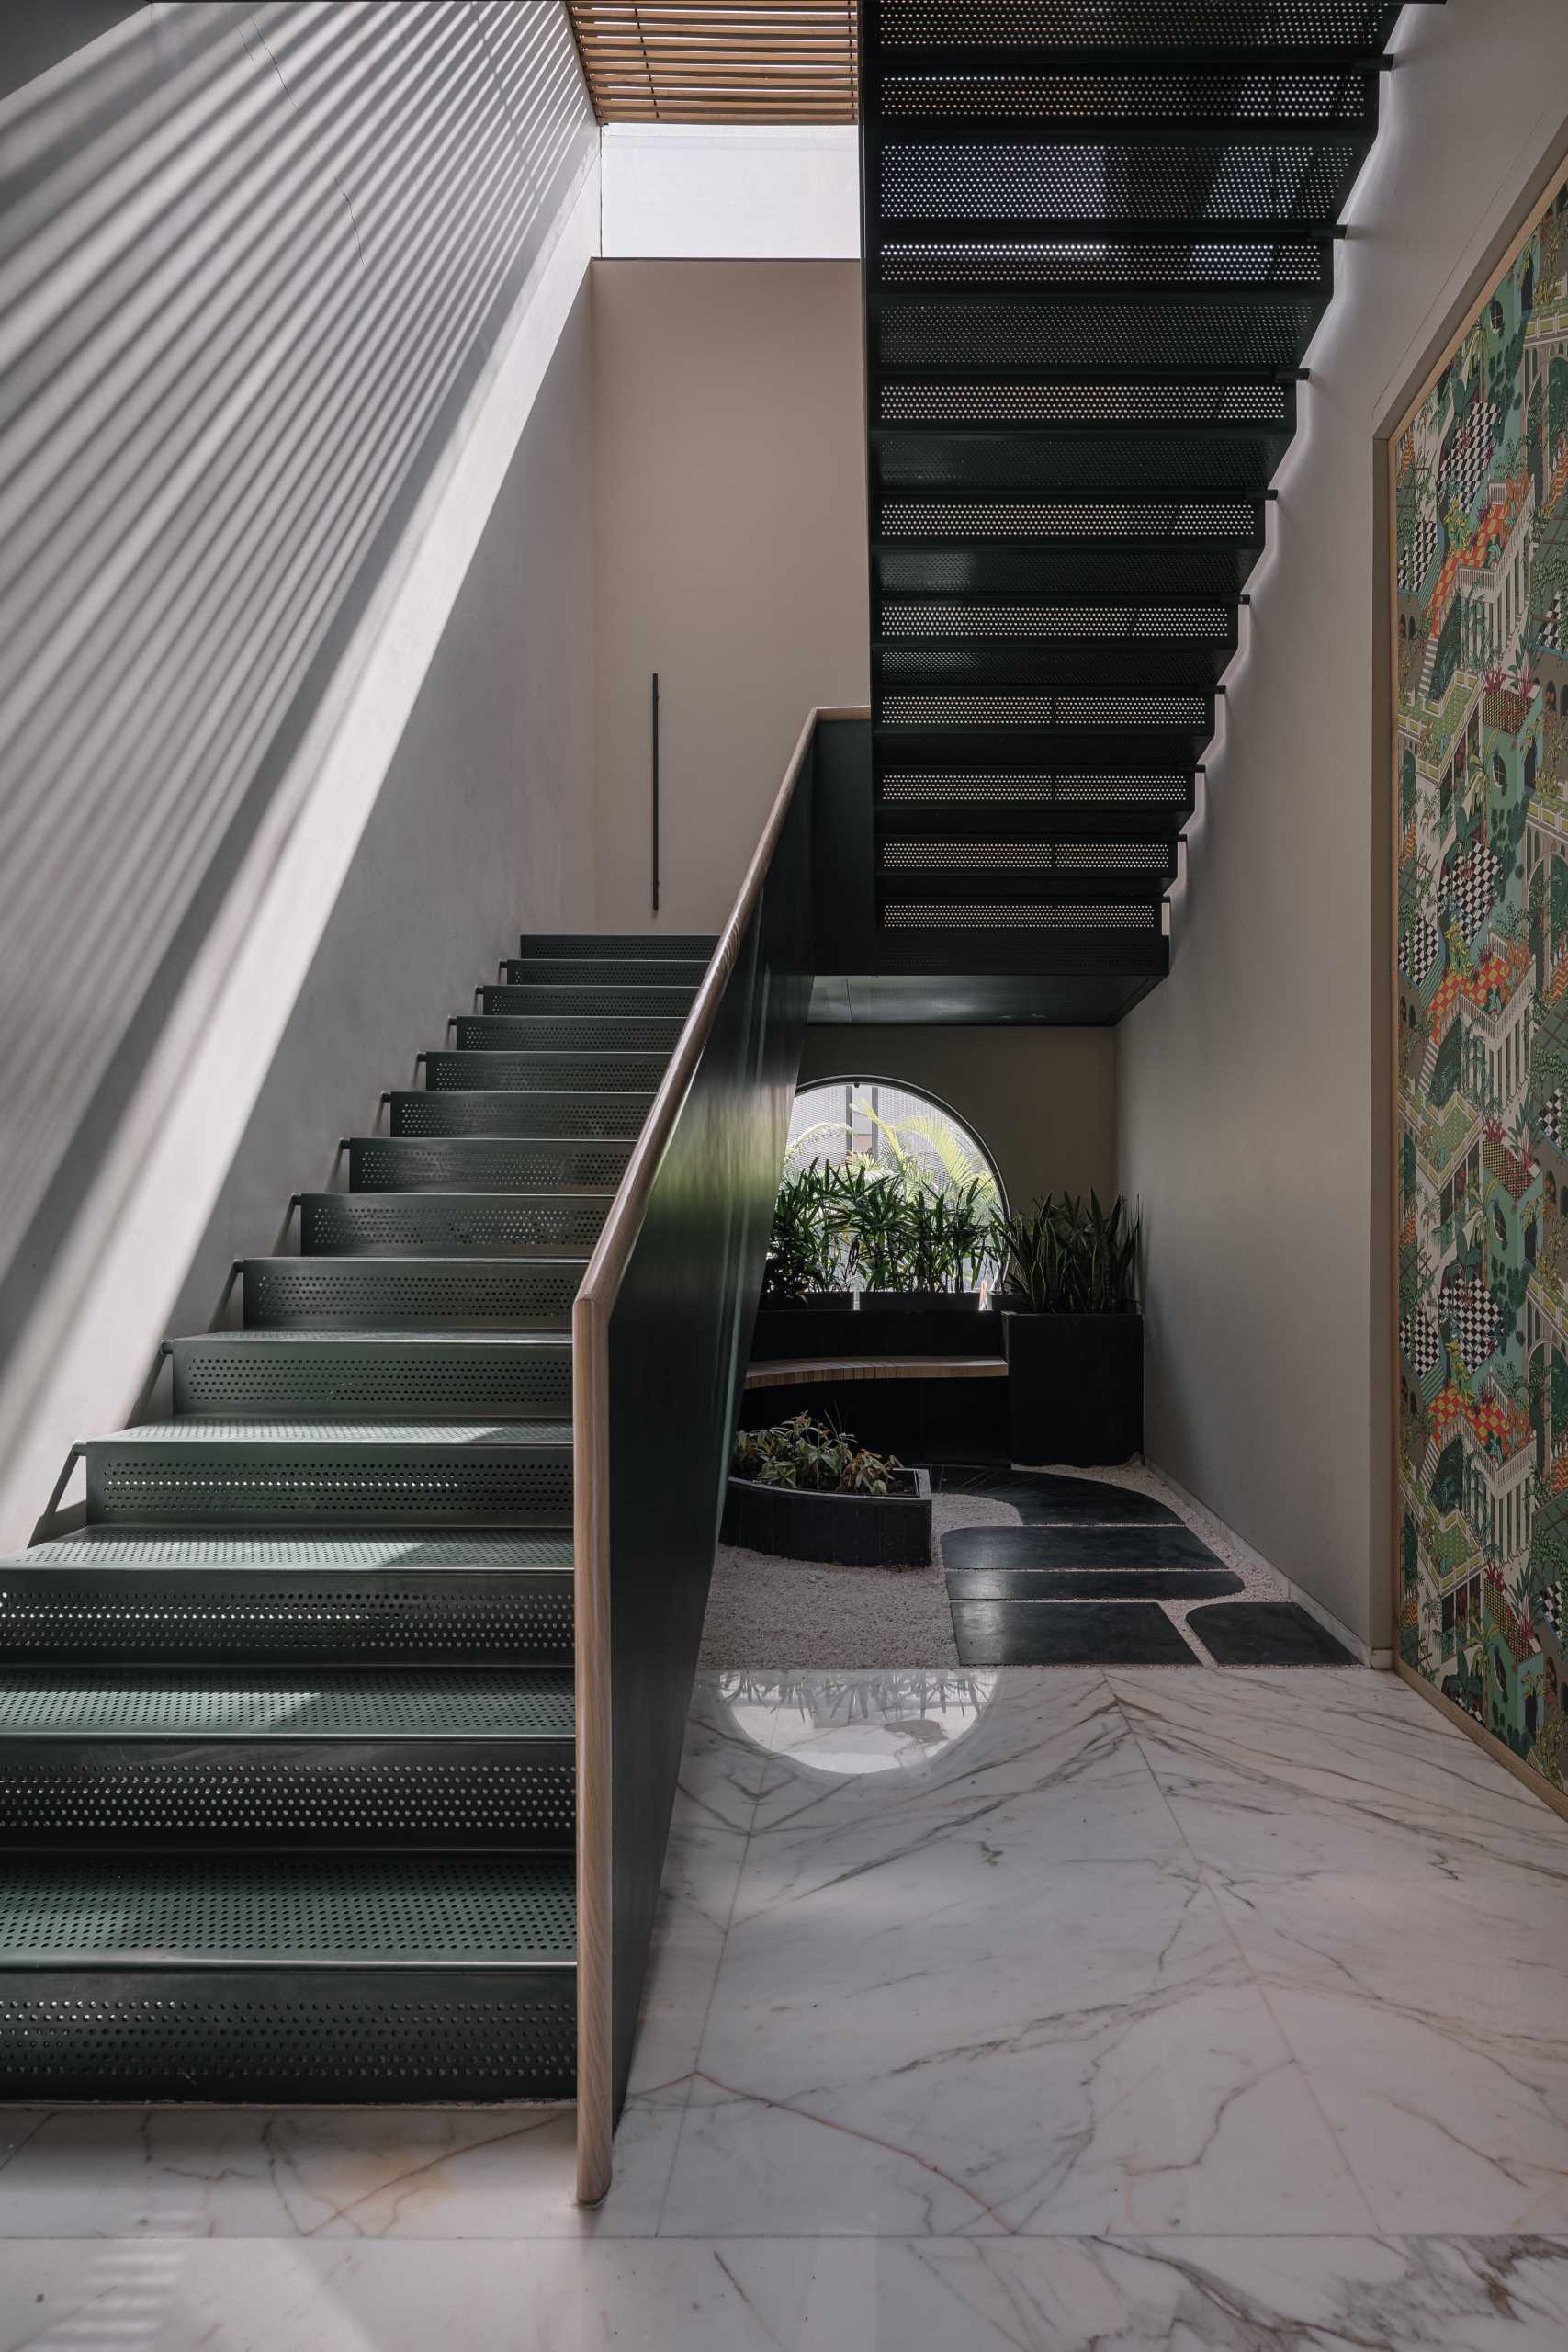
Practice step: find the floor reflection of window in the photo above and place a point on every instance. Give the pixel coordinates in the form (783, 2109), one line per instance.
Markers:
(856, 1723)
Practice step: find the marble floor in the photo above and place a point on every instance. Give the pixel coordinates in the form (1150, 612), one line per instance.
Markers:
(1022, 2010)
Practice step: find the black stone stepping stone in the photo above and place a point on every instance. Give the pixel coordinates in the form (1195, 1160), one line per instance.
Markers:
(1068, 1633)
(1265, 1633)
(1047, 1585)
(1042, 1498)
(1080, 1547)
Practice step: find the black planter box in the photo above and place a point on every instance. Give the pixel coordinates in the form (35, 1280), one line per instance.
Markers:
(1074, 1386)
(891, 1531)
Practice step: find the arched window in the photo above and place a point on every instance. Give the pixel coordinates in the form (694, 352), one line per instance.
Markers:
(881, 1121)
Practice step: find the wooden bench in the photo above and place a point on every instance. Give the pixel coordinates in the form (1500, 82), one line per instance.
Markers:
(791, 1370)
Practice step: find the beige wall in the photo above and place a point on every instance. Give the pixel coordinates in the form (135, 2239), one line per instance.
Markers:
(731, 556)
(1042, 1100)
(1249, 1120)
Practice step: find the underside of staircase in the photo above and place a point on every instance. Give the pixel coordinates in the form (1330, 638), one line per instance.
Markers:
(287, 1729)
(1098, 238)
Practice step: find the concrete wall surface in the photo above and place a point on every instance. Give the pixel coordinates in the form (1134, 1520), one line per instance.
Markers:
(1252, 1101)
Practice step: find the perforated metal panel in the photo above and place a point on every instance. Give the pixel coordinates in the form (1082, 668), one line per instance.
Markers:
(629, 947)
(982, 785)
(1156, 334)
(479, 1112)
(541, 997)
(248, 1375)
(365, 1705)
(1209, 180)
(366, 1795)
(1141, 622)
(426, 1909)
(1153, 858)
(900, 915)
(1062, 567)
(587, 970)
(110, 1595)
(601, 1072)
(585, 1033)
(1197, 458)
(1155, 520)
(452, 1224)
(1107, 262)
(355, 2034)
(472, 1759)
(1159, 25)
(220, 1473)
(390, 1293)
(979, 402)
(1108, 710)
(1150, 95)
(388, 1164)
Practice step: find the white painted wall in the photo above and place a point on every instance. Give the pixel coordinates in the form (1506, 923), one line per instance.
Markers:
(483, 828)
(784, 193)
(1248, 1121)
(731, 536)
(80, 1362)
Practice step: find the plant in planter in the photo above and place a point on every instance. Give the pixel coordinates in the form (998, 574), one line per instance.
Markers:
(807, 1491)
(1072, 1330)
(812, 1457)
(806, 1250)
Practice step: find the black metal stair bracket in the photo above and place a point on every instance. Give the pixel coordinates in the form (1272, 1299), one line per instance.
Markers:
(1098, 239)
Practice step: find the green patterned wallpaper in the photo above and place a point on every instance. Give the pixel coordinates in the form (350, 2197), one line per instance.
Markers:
(1481, 496)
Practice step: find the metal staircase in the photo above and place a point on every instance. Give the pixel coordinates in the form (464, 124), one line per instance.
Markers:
(286, 1724)
(1098, 238)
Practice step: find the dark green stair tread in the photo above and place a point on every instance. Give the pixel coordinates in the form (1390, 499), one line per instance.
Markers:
(373, 1551)
(261, 1337)
(355, 1705)
(396, 1910)
(198, 1432)
(613, 947)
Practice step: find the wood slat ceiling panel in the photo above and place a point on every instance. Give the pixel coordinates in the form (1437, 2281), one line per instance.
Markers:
(735, 61)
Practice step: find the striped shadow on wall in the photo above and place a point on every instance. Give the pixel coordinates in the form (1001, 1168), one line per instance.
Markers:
(252, 262)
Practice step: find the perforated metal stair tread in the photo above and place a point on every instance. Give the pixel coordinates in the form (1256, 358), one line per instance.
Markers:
(620, 948)
(590, 1166)
(268, 1912)
(513, 1115)
(447, 1223)
(370, 1552)
(310, 1600)
(395, 1292)
(196, 1431)
(520, 1704)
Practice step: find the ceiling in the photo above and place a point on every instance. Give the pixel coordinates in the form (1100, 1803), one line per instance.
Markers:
(729, 61)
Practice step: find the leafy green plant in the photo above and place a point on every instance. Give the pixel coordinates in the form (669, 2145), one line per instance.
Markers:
(960, 1169)
(945, 1238)
(871, 1210)
(1066, 1256)
(811, 1457)
(805, 1248)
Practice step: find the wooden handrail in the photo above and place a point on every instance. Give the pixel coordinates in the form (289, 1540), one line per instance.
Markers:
(591, 1508)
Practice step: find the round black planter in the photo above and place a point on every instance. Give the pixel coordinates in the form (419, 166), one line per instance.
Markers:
(1074, 1386)
(891, 1531)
